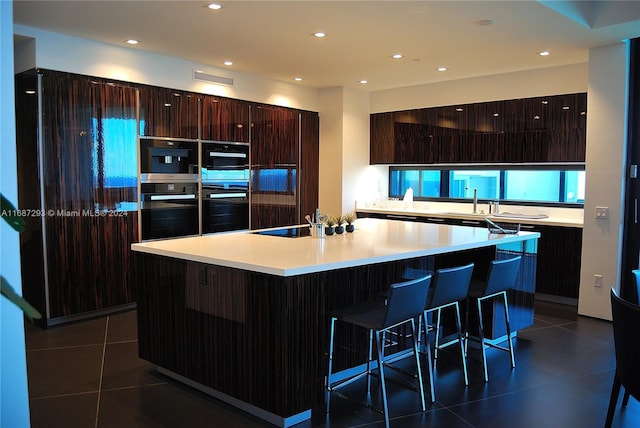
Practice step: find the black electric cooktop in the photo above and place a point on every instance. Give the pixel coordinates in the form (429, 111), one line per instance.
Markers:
(287, 232)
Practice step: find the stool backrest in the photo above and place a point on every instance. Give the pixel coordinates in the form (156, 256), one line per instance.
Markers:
(450, 285)
(502, 275)
(406, 300)
(626, 325)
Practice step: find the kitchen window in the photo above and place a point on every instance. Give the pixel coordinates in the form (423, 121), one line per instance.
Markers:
(526, 184)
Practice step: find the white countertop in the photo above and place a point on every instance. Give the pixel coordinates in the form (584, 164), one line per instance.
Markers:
(562, 217)
(374, 241)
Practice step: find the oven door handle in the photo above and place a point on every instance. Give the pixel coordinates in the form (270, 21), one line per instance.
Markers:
(227, 195)
(227, 155)
(171, 197)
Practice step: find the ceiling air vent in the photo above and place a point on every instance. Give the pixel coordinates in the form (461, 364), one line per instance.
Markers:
(211, 78)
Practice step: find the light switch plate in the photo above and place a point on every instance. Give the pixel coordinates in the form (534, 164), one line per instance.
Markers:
(602, 213)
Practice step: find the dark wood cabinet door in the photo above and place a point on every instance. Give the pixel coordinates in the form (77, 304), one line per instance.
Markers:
(559, 260)
(275, 148)
(168, 113)
(309, 171)
(541, 129)
(89, 180)
(225, 119)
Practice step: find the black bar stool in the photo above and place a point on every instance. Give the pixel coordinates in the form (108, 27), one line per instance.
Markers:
(405, 304)
(501, 278)
(449, 286)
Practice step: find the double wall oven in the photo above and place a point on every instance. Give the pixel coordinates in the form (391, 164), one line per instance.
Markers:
(225, 186)
(189, 187)
(169, 178)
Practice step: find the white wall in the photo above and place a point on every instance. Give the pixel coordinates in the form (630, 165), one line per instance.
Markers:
(331, 128)
(605, 166)
(355, 146)
(71, 54)
(14, 398)
(524, 84)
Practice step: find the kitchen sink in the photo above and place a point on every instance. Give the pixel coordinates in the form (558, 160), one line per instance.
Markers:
(520, 215)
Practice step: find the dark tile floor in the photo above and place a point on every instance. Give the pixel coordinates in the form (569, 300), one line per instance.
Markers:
(88, 374)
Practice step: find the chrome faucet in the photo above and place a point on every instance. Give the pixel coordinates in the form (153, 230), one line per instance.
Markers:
(475, 199)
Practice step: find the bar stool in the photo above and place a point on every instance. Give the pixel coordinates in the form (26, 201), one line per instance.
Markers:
(449, 286)
(501, 278)
(404, 305)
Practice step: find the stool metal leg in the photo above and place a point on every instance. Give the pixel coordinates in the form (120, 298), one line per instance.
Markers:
(506, 317)
(379, 347)
(328, 378)
(369, 360)
(427, 345)
(482, 345)
(462, 345)
(437, 345)
(414, 336)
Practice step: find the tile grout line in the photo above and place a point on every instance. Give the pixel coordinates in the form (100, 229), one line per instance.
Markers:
(104, 348)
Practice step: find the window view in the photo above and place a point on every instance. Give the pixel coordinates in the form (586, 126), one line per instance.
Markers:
(518, 185)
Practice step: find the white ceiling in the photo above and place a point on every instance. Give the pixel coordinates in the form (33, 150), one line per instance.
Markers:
(273, 38)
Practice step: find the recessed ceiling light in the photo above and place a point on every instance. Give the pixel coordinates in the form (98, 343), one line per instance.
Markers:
(396, 56)
(319, 34)
(363, 81)
(132, 41)
(485, 22)
(297, 79)
(214, 6)
(544, 53)
(228, 63)
(442, 68)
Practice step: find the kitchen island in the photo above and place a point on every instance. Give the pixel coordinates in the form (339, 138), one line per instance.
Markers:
(243, 316)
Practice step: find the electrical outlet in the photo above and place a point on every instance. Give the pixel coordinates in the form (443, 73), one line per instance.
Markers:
(597, 280)
(602, 213)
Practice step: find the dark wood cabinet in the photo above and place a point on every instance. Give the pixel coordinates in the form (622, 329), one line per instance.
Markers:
(225, 119)
(309, 171)
(168, 113)
(275, 149)
(559, 260)
(540, 129)
(80, 173)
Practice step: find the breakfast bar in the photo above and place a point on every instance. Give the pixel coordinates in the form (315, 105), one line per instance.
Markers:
(243, 316)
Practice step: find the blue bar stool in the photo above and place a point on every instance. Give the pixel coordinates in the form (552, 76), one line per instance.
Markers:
(405, 304)
(449, 286)
(501, 278)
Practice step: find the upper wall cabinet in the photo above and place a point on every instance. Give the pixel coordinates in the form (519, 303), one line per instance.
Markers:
(168, 113)
(225, 119)
(541, 129)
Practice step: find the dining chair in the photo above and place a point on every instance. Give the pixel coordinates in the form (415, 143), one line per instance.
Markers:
(626, 325)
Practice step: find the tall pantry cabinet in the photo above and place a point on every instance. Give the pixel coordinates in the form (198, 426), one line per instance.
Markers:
(77, 187)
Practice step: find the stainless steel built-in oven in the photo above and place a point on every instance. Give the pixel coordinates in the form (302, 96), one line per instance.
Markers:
(225, 186)
(164, 160)
(169, 209)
